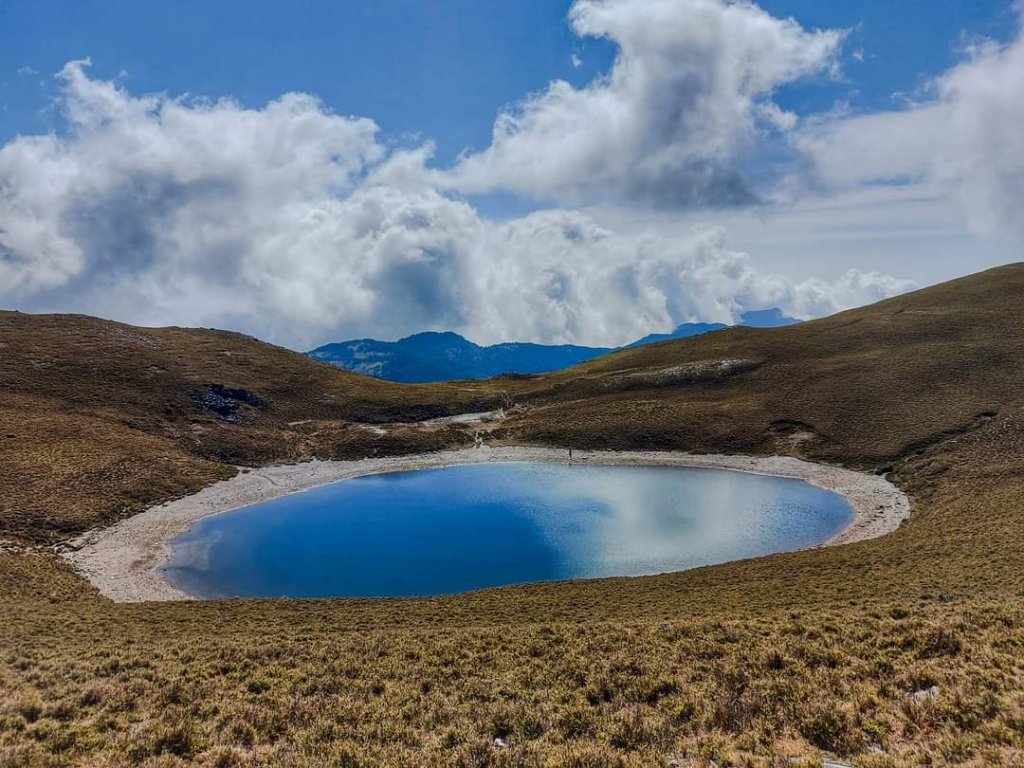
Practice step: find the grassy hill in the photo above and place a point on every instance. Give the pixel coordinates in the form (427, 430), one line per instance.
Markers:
(98, 419)
(904, 650)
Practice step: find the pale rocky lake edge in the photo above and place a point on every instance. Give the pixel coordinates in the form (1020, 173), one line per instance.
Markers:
(124, 561)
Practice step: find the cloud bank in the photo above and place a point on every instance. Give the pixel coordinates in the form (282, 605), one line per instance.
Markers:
(298, 225)
(302, 226)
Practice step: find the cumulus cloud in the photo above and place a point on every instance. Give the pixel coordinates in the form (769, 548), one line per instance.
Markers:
(301, 226)
(602, 287)
(669, 125)
(963, 139)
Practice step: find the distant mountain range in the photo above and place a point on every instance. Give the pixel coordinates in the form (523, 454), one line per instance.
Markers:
(432, 356)
(755, 318)
(447, 356)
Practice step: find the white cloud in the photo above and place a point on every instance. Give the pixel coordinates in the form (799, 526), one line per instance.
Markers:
(598, 286)
(299, 226)
(690, 90)
(904, 231)
(965, 138)
(133, 174)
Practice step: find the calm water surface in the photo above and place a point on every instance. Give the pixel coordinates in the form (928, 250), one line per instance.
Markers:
(439, 531)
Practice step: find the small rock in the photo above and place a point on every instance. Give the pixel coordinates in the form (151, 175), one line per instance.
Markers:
(925, 693)
(500, 743)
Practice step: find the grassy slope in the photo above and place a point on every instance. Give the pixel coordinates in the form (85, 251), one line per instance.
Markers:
(869, 384)
(98, 419)
(783, 655)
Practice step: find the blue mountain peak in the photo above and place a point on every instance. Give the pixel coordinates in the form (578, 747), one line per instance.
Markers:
(447, 356)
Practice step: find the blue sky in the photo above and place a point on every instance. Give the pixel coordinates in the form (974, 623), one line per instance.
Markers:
(440, 70)
(584, 172)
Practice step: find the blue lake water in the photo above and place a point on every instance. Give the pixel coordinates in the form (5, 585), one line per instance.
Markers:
(439, 531)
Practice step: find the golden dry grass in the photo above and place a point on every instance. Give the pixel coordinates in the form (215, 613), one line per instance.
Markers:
(755, 662)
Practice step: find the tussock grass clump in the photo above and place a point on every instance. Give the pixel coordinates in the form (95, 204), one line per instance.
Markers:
(621, 693)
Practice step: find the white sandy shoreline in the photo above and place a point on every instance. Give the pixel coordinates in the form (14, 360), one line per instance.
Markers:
(123, 561)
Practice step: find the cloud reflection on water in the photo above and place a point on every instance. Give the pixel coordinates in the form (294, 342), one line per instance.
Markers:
(467, 527)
